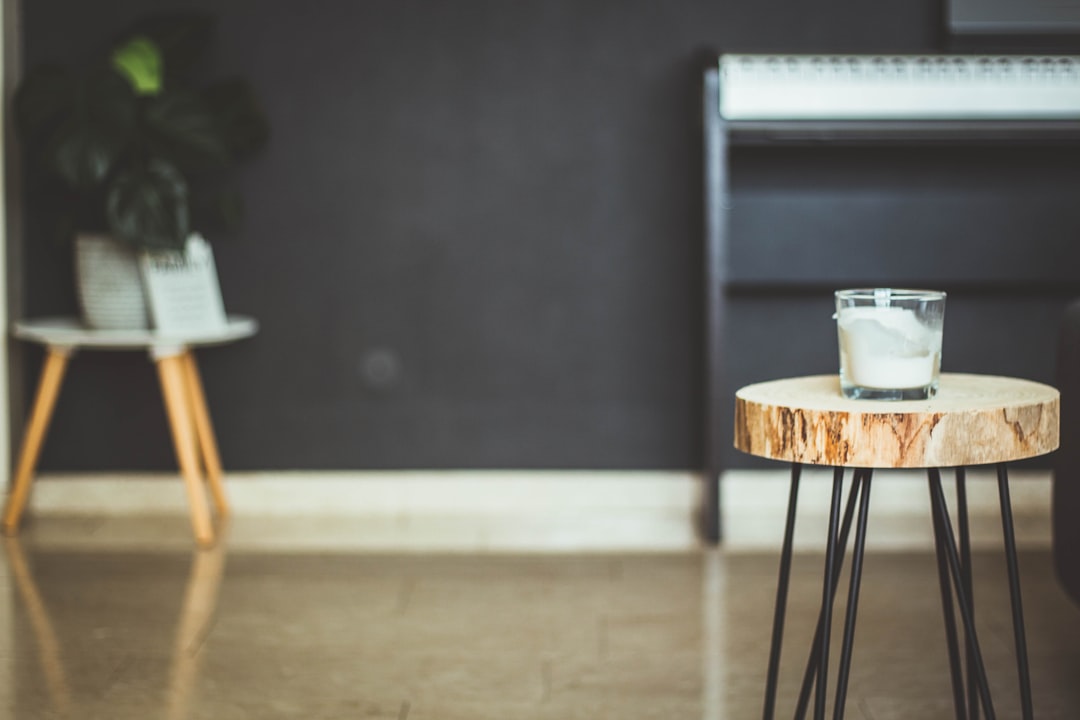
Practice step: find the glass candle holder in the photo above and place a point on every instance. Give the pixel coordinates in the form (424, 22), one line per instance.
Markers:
(890, 342)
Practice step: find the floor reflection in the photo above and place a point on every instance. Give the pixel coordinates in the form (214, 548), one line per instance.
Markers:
(196, 618)
(140, 634)
(197, 611)
(48, 647)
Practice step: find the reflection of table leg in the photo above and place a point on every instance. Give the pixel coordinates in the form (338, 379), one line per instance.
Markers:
(52, 374)
(200, 603)
(171, 374)
(204, 430)
(48, 645)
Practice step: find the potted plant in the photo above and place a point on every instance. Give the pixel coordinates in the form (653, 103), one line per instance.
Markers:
(133, 153)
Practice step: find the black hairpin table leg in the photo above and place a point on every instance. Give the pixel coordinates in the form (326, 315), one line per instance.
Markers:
(971, 424)
(781, 596)
(827, 596)
(946, 538)
(812, 661)
(836, 542)
(1014, 591)
(853, 598)
(965, 572)
(955, 579)
(955, 671)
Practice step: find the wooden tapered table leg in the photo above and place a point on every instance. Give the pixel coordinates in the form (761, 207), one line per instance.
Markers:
(177, 403)
(204, 432)
(52, 375)
(189, 420)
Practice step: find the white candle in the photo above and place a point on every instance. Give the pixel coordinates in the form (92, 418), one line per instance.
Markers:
(887, 347)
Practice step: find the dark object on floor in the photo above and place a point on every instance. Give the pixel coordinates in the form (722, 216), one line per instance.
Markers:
(1066, 496)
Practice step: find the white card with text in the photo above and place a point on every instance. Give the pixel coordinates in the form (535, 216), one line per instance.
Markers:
(183, 290)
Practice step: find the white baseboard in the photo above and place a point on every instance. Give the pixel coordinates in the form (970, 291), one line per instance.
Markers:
(517, 510)
(756, 504)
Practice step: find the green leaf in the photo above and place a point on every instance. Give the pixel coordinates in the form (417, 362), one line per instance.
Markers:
(139, 60)
(182, 37)
(83, 153)
(98, 128)
(181, 127)
(127, 138)
(147, 207)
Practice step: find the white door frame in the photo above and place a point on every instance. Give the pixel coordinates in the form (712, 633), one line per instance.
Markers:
(10, 45)
(9, 67)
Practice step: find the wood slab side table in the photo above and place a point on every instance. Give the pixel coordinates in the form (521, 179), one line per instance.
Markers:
(181, 387)
(973, 420)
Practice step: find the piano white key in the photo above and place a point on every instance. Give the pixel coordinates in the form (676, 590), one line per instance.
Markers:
(858, 87)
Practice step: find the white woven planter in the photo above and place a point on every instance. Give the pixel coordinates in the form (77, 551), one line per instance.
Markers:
(109, 284)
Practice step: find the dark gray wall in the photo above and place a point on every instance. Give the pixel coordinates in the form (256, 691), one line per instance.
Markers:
(475, 240)
(994, 226)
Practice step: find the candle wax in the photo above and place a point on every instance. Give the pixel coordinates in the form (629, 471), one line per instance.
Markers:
(887, 347)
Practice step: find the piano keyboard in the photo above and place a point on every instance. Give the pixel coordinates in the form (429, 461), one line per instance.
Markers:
(887, 87)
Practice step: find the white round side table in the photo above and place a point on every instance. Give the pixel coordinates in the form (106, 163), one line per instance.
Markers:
(181, 386)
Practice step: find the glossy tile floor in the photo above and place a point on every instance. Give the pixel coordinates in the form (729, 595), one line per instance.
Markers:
(219, 635)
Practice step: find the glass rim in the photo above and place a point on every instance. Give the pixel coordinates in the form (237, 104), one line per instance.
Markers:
(892, 293)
